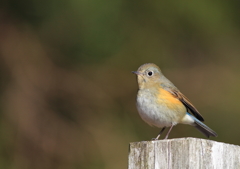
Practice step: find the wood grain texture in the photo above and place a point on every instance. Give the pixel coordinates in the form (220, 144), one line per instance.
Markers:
(183, 153)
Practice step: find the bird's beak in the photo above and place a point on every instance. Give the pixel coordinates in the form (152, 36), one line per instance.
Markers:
(136, 72)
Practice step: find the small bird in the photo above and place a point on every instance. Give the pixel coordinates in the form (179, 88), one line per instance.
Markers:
(161, 104)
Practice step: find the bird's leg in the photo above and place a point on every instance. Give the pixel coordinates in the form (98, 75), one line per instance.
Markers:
(159, 134)
(168, 132)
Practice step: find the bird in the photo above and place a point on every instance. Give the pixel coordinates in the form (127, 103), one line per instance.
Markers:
(161, 104)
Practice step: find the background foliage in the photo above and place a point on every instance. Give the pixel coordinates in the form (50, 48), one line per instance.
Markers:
(67, 95)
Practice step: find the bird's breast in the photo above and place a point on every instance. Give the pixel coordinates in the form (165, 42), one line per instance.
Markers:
(159, 108)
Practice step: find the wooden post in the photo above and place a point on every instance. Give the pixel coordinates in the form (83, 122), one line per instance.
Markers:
(183, 153)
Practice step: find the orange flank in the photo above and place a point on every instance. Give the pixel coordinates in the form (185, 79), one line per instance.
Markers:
(167, 98)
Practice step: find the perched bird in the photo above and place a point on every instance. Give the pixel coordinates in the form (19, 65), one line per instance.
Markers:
(161, 104)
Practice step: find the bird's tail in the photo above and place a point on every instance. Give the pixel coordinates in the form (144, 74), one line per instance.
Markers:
(203, 128)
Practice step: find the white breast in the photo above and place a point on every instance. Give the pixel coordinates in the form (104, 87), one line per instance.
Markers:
(155, 114)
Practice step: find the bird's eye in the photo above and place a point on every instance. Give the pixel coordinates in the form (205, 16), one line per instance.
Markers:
(150, 73)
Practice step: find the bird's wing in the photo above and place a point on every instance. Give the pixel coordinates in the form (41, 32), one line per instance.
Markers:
(176, 93)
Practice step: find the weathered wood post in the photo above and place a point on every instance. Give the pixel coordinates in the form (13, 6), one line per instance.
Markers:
(183, 153)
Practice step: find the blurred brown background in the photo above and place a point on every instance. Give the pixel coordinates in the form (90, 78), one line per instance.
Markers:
(67, 94)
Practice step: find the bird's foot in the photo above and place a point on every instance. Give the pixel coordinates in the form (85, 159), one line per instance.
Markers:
(154, 139)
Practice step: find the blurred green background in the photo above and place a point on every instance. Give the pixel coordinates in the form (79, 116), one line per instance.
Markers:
(67, 94)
